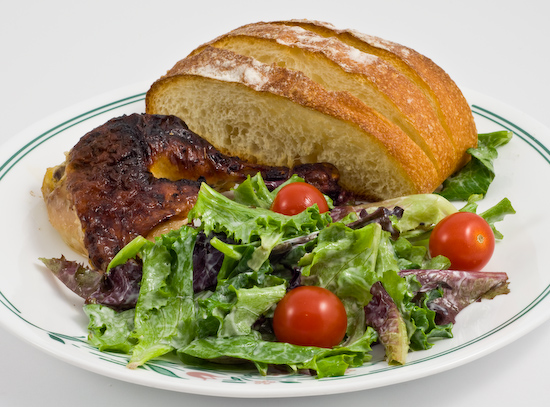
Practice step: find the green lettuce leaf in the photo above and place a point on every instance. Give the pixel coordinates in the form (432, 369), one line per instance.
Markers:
(130, 251)
(110, 330)
(326, 362)
(494, 214)
(254, 193)
(251, 304)
(349, 261)
(478, 174)
(165, 315)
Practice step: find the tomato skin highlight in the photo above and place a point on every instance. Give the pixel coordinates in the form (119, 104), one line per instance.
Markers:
(465, 238)
(310, 316)
(296, 197)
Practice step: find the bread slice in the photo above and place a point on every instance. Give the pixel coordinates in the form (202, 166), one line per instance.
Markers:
(339, 67)
(300, 92)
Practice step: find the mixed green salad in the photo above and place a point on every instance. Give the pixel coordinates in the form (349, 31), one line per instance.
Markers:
(208, 291)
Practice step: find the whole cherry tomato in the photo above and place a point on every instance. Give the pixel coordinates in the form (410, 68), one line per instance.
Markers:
(310, 316)
(296, 197)
(465, 238)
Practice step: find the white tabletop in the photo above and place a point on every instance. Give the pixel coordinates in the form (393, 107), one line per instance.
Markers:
(57, 53)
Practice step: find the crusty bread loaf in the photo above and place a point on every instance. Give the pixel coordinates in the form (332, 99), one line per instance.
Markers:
(299, 92)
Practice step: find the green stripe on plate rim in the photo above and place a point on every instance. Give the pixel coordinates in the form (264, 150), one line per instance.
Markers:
(118, 359)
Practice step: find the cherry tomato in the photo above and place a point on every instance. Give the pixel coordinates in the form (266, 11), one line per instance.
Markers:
(465, 238)
(310, 316)
(296, 197)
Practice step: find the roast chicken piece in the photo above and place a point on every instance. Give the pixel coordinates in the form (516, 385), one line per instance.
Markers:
(140, 175)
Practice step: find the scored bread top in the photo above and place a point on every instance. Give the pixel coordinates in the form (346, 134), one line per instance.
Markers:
(447, 99)
(294, 92)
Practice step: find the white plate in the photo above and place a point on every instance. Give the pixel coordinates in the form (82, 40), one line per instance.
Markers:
(40, 310)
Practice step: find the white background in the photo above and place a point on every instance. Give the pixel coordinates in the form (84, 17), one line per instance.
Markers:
(54, 54)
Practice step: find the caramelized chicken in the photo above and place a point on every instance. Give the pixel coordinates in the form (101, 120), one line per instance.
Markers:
(140, 174)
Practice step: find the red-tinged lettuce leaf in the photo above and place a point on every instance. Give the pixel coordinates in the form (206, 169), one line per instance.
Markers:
(117, 289)
(382, 314)
(207, 262)
(460, 289)
(83, 281)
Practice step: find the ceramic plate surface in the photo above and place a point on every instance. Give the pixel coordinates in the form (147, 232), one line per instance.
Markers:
(40, 310)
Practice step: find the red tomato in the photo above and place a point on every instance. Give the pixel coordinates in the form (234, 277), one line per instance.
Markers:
(465, 238)
(310, 316)
(296, 197)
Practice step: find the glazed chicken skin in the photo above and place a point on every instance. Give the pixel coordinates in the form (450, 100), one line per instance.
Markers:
(140, 175)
